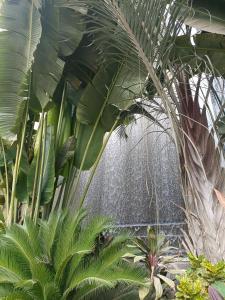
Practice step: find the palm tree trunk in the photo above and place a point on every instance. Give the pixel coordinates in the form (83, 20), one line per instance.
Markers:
(202, 173)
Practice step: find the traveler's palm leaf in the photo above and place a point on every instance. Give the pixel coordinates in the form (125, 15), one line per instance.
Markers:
(20, 31)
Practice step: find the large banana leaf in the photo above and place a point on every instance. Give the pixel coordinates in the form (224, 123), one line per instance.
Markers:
(62, 33)
(207, 15)
(83, 137)
(209, 49)
(111, 87)
(71, 29)
(20, 30)
(48, 179)
(104, 97)
(94, 96)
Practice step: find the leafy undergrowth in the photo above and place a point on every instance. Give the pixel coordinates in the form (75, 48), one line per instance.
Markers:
(203, 280)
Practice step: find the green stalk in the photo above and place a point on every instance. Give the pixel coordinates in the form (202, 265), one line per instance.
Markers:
(36, 176)
(61, 114)
(60, 198)
(13, 202)
(6, 178)
(71, 177)
(96, 165)
(43, 144)
(72, 171)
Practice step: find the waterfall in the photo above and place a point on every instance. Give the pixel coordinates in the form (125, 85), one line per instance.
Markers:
(137, 182)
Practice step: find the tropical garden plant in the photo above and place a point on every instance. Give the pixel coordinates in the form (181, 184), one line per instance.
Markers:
(176, 69)
(157, 255)
(202, 280)
(72, 97)
(62, 258)
(78, 67)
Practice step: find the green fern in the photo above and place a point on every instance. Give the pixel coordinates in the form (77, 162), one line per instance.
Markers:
(61, 259)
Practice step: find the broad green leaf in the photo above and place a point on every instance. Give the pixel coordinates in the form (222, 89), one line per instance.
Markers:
(10, 154)
(84, 134)
(65, 130)
(21, 188)
(109, 116)
(48, 177)
(95, 95)
(71, 29)
(220, 287)
(127, 87)
(207, 15)
(208, 47)
(158, 287)
(112, 85)
(102, 99)
(20, 33)
(62, 33)
(48, 68)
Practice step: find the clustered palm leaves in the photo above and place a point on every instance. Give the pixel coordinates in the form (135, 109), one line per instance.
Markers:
(63, 259)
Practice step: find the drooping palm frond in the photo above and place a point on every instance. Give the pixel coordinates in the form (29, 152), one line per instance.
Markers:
(63, 259)
(142, 31)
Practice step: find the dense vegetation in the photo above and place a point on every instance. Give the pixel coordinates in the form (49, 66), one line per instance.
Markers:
(71, 73)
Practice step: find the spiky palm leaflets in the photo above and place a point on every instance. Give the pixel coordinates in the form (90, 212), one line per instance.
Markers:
(61, 259)
(202, 174)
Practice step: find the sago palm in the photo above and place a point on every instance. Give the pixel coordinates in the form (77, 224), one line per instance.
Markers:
(62, 259)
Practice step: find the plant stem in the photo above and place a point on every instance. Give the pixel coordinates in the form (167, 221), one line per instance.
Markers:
(61, 115)
(96, 165)
(6, 178)
(43, 144)
(13, 203)
(36, 177)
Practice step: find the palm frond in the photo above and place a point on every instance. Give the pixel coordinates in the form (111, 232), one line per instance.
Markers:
(47, 233)
(19, 237)
(12, 264)
(84, 269)
(66, 234)
(18, 295)
(114, 251)
(142, 32)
